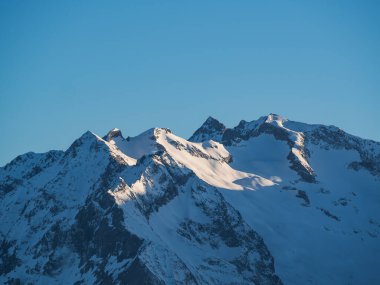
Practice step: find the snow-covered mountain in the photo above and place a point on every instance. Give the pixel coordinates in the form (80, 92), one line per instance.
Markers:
(270, 201)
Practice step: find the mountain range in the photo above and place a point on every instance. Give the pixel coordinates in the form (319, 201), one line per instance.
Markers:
(270, 201)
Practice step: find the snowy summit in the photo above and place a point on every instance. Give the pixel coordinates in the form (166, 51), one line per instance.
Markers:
(270, 201)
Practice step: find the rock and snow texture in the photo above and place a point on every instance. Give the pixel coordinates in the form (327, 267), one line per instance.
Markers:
(270, 201)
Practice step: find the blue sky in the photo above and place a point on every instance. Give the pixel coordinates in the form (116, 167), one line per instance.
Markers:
(71, 66)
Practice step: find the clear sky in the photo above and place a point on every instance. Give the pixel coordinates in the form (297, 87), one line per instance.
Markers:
(71, 66)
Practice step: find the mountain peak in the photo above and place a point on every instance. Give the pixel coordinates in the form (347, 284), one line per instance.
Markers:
(88, 135)
(212, 122)
(152, 133)
(114, 133)
(211, 129)
(203, 209)
(275, 119)
(158, 131)
(87, 138)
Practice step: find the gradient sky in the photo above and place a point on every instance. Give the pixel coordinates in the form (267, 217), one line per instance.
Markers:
(71, 66)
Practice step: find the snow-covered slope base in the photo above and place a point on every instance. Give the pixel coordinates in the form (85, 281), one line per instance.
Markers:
(268, 202)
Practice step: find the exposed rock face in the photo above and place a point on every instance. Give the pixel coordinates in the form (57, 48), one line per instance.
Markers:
(272, 125)
(231, 207)
(112, 134)
(211, 129)
(298, 139)
(334, 138)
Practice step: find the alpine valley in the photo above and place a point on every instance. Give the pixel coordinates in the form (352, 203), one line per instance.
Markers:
(271, 201)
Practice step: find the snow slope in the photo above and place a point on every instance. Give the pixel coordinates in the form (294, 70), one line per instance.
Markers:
(328, 227)
(270, 201)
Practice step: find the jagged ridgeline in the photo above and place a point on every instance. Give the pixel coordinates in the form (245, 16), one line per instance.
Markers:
(269, 201)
